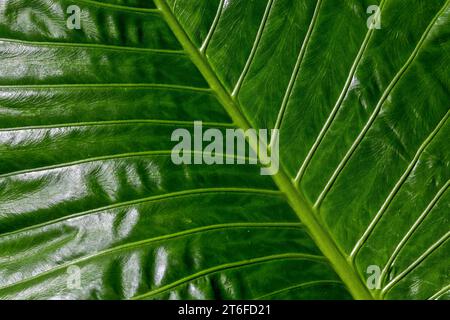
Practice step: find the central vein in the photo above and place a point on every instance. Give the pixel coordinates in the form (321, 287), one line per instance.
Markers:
(297, 201)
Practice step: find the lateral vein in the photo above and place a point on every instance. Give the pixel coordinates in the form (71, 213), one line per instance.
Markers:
(377, 109)
(397, 188)
(295, 72)
(337, 106)
(413, 229)
(137, 244)
(227, 266)
(254, 48)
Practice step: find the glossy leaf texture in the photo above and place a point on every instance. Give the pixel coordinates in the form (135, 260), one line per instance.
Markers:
(88, 188)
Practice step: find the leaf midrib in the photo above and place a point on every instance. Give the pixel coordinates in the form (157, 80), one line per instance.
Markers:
(297, 201)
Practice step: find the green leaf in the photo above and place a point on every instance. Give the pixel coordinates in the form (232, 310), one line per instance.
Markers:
(92, 206)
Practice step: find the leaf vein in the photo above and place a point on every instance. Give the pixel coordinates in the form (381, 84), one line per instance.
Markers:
(138, 244)
(377, 109)
(228, 266)
(213, 27)
(296, 70)
(254, 48)
(397, 187)
(337, 106)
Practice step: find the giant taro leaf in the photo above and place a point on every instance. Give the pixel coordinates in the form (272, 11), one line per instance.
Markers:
(86, 177)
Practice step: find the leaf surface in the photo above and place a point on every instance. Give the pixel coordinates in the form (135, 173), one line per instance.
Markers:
(87, 181)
